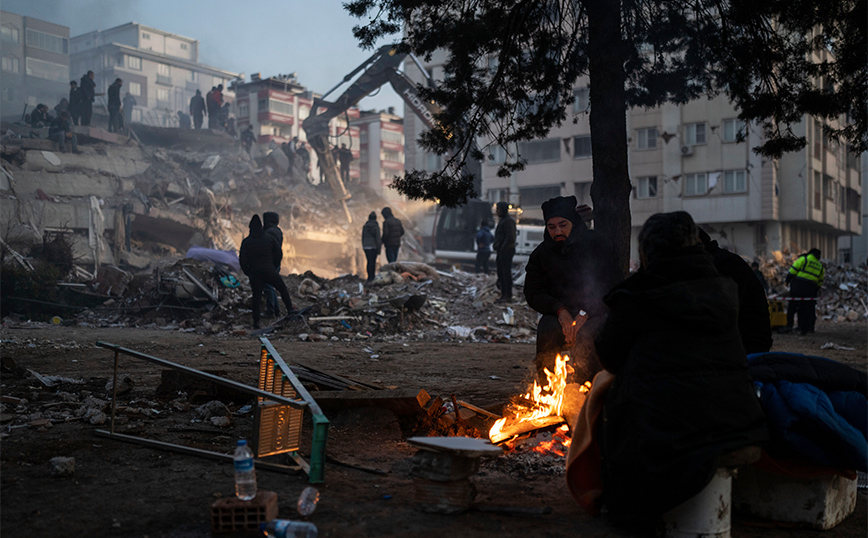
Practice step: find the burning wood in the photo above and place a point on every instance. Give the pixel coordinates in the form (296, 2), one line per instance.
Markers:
(539, 408)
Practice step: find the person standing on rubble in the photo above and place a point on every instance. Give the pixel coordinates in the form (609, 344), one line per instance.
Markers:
(568, 275)
(504, 245)
(74, 102)
(681, 396)
(258, 258)
(393, 230)
(484, 239)
(304, 157)
(213, 107)
(197, 109)
(129, 102)
(247, 138)
(114, 106)
(270, 221)
(345, 156)
(371, 244)
(87, 89)
(805, 278)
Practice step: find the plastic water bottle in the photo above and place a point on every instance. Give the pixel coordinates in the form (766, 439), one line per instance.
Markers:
(285, 528)
(307, 501)
(245, 474)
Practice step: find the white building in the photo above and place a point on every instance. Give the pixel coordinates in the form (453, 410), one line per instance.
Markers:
(160, 69)
(381, 150)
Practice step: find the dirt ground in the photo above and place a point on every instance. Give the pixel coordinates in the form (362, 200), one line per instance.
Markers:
(122, 489)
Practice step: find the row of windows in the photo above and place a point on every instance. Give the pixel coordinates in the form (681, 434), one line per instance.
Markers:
(49, 42)
(734, 182)
(47, 70)
(392, 136)
(278, 107)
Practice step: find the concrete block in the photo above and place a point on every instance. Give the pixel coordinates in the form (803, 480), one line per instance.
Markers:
(820, 503)
(27, 182)
(62, 467)
(122, 162)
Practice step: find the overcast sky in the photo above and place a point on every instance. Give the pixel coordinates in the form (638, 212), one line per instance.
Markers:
(310, 37)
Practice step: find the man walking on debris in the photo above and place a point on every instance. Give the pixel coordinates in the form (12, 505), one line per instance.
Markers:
(114, 106)
(258, 256)
(213, 107)
(304, 158)
(197, 109)
(129, 102)
(568, 275)
(393, 230)
(504, 245)
(754, 323)
(805, 278)
(371, 244)
(87, 90)
(484, 239)
(270, 221)
(247, 138)
(345, 156)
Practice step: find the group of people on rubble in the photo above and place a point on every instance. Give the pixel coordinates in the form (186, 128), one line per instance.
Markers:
(373, 242)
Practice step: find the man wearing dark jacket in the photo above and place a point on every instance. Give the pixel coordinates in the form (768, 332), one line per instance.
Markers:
(504, 245)
(259, 256)
(754, 323)
(270, 221)
(197, 109)
(393, 230)
(87, 94)
(74, 102)
(484, 239)
(61, 132)
(681, 396)
(371, 244)
(568, 275)
(114, 106)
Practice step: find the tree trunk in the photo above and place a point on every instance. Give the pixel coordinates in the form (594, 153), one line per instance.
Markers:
(611, 188)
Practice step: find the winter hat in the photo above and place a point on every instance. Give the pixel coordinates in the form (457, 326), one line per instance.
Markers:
(372, 216)
(255, 223)
(562, 206)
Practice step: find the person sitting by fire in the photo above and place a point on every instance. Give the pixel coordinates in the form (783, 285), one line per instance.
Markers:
(679, 393)
(567, 276)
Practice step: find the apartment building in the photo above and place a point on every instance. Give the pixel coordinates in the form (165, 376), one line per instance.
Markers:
(381, 150)
(35, 64)
(160, 70)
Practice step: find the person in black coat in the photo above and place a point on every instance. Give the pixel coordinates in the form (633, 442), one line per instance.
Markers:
(371, 244)
(74, 102)
(114, 106)
(568, 274)
(270, 221)
(259, 258)
(393, 230)
(87, 94)
(754, 322)
(197, 109)
(40, 117)
(504, 245)
(682, 396)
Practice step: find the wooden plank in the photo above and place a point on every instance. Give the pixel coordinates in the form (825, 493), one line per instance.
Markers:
(402, 402)
(354, 385)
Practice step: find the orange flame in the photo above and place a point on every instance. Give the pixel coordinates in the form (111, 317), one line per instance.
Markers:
(546, 401)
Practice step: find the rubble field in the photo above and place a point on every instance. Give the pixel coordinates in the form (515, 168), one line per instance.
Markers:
(54, 388)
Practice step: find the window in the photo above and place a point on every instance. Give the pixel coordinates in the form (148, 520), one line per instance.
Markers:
(262, 105)
(497, 155)
(163, 95)
(146, 35)
(49, 42)
(581, 147)
(393, 137)
(183, 46)
(135, 88)
(695, 185)
(540, 151)
(10, 34)
(694, 134)
(646, 138)
(842, 199)
(647, 187)
(243, 109)
(734, 181)
(47, 70)
(134, 62)
(392, 156)
(828, 188)
(11, 64)
(535, 196)
(279, 107)
(732, 129)
(818, 186)
(580, 100)
(164, 69)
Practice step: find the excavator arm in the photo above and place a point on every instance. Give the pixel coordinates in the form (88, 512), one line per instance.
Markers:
(379, 69)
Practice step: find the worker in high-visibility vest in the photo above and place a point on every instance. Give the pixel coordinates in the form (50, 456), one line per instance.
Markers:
(805, 278)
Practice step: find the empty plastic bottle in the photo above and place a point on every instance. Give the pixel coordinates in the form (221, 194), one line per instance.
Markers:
(307, 501)
(245, 474)
(285, 528)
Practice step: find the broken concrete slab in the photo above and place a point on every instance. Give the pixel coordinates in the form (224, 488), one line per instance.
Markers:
(121, 162)
(69, 184)
(87, 133)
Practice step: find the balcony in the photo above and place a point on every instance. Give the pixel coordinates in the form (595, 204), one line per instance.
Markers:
(164, 79)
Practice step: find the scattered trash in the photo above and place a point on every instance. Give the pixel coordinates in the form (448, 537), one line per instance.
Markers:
(831, 345)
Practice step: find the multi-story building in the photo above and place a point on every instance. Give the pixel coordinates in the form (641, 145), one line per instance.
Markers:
(381, 153)
(276, 106)
(35, 64)
(160, 70)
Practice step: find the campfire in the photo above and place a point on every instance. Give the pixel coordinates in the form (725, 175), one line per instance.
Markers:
(539, 408)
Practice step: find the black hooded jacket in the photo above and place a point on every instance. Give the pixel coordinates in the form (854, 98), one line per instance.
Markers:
(260, 252)
(575, 274)
(270, 221)
(682, 395)
(392, 229)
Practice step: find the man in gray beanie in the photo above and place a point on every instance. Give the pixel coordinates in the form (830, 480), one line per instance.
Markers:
(567, 276)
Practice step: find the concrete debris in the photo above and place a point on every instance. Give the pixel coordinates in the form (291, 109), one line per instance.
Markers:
(62, 467)
(215, 409)
(125, 385)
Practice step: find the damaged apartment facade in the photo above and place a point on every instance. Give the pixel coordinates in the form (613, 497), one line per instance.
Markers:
(160, 70)
(687, 158)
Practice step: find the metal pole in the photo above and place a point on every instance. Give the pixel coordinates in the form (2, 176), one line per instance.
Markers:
(115, 389)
